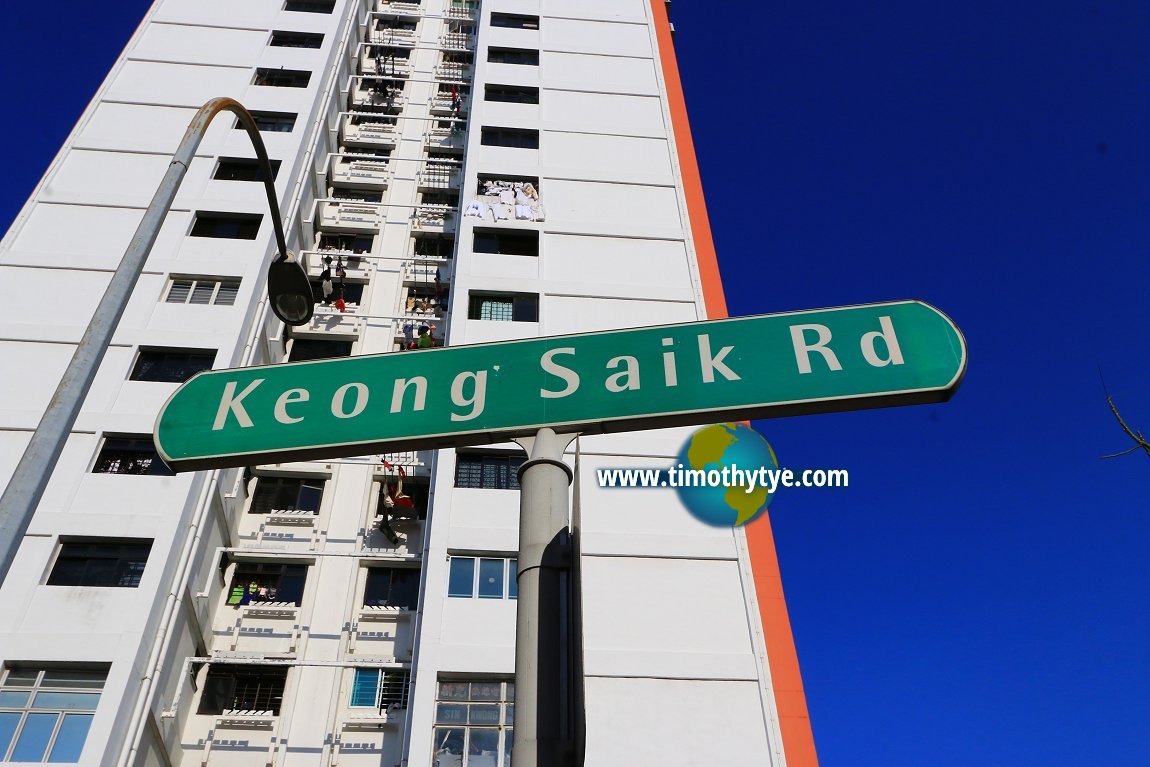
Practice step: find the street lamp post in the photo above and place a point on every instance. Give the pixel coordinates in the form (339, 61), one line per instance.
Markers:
(289, 293)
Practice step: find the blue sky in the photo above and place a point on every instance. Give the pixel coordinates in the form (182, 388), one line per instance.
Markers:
(978, 595)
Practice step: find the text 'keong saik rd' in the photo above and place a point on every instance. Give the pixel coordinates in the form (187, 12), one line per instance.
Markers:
(468, 389)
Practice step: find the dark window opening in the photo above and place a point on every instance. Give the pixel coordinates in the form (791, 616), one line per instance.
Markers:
(261, 582)
(506, 243)
(392, 587)
(523, 56)
(355, 195)
(512, 94)
(309, 349)
(110, 563)
(351, 243)
(242, 169)
(272, 122)
(296, 40)
(233, 226)
(512, 137)
(510, 307)
(235, 687)
(432, 246)
(282, 78)
(489, 471)
(130, 455)
(438, 198)
(350, 292)
(171, 365)
(514, 21)
(310, 6)
(287, 494)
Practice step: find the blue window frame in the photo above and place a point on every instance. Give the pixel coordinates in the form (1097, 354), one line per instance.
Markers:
(45, 713)
(482, 578)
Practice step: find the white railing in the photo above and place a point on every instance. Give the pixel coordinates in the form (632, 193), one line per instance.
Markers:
(390, 6)
(384, 66)
(455, 41)
(432, 217)
(451, 72)
(374, 172)
(349, 214)
(385, 36)
(383, 133)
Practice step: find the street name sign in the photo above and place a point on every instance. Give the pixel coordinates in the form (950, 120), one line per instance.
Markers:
(818, 361)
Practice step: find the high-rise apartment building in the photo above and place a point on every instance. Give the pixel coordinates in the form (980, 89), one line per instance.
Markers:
(452, 172)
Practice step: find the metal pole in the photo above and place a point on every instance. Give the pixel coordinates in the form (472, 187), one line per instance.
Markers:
(543, 681)
(31, 476)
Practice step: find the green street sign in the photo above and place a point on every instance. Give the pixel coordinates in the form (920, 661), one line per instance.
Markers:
(875, 355)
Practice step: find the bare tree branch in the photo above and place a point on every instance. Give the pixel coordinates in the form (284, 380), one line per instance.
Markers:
(1139, 439)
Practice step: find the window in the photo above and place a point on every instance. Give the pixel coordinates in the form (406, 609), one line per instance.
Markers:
(490, 471)
(190, 290)
(513, 94)
(506, 242)
(353, 243)
(438, 198)
(392, 587)
(514, 21)
(474, 723)
(511, 307)
(171, 365)
(286, 494)
(236, 687)
(282, 78)
(45, 713)
(525, 56)
(296, 40)
(272, 122)
(234, 226)
(496, 578)
(307, 349)
(381, 689)
(310, 6)
(107, 563)
(256, 582)
(432, 246)
(513, 137)
(130, 455)
(242, 169)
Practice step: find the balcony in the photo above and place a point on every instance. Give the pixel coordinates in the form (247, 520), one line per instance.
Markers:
(460, 10)
(393, 8)
(456, 41)
(358, 173)
(363, 130)
(446, 137)
(434, 218)
(439, 176)
(358, 269)
(426, 271)
(405, 38)
(453, 72)
(348, 216)
(373, 93)
(329, 322)
(387, 66)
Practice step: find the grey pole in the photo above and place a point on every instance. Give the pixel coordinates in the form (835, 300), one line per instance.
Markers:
(28, 481)
(544, 720)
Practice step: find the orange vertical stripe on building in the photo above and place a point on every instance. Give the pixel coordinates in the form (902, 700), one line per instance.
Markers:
(794, 721)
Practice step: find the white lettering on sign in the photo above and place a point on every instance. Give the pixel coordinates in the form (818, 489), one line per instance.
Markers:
(628, 379)
(478, 399)
(569, 376)
(287, 398)
(669, 374)
(339, 401)
(713, 363)
(230, 403)
(893, 352)
(400, 389)
(803, 349)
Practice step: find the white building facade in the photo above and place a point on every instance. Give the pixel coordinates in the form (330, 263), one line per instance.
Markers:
(449, 170)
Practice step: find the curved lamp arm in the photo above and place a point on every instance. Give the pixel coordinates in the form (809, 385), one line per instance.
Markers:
(288, 289)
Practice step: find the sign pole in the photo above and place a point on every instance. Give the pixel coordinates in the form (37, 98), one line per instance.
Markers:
(545, 717)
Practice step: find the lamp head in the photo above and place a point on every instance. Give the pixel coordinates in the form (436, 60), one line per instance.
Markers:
(290, 291)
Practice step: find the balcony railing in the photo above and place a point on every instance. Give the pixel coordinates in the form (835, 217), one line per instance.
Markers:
(450, 71)
(460, 9)
(424, 270)
(384, 66)
(380, 133)
(456, 41)
(434, 218)
(349, 215)
(385, 36)
(372, 173)
(400, 8)
(364, 95)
